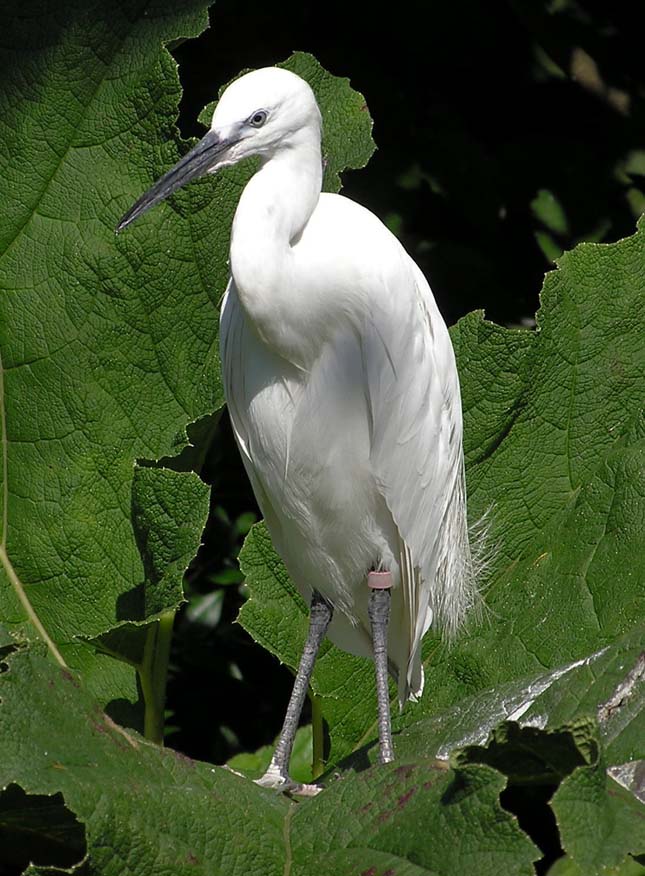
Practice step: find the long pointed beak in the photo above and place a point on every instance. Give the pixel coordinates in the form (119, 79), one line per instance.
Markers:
(197, 162)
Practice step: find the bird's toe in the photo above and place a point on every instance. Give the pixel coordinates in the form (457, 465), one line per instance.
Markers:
(277, 780)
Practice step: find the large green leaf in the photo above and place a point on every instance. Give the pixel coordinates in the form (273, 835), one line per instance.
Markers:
(555, 447)
(145, 810)
(606, 686)
(599, 821)
(74, 786)
(629, 866)
(109, 344)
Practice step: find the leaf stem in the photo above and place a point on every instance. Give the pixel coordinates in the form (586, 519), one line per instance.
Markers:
(318, 735)
(28, 607)
(12, 575)
(5, 459)
(153, 673)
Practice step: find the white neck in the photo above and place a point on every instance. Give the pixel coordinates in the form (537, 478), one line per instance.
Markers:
(272, 213)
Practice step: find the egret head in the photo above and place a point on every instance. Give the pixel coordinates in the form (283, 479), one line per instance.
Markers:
(260, 113)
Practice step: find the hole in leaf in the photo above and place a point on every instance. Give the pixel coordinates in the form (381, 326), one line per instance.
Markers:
(38, 829)
(530, 805)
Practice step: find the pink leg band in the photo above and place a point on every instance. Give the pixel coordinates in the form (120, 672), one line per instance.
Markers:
(379, 580)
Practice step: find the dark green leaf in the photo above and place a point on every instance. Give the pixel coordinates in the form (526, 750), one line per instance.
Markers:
(108, 344)
(148, 810)
(600, 822)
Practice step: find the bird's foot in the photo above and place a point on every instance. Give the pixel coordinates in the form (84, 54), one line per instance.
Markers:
(278, 780)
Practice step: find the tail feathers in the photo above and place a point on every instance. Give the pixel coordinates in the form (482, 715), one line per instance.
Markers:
(463, 559)
(409, 682)
(463, 555)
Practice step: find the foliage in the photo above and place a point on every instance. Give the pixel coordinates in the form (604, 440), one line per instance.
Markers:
(141, 808)
(109, 381)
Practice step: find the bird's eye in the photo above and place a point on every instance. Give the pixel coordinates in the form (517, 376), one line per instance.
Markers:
(258, 118)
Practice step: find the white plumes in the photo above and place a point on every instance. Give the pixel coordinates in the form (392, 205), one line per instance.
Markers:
(466, 557)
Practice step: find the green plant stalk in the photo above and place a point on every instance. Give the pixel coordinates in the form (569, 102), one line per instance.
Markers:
(153, 673)
(27, 606)
(317, 729)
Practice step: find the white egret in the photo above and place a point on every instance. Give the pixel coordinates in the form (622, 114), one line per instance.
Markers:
(344, 397)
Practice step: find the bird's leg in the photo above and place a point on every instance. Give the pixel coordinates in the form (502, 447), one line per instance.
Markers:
(379, 614)
(277, 774)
